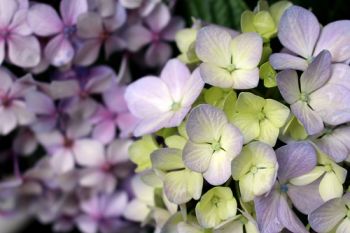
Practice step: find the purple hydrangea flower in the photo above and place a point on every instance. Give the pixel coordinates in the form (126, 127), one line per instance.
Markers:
(318, 97)
(161, 28)
(45, 22)
(13, 108)
(101, 213)
(273, 210)
(96, 31)
(16, 40)
(66, 149)
(301, 33)
(163, 102)
(114, 115)
(101, 170)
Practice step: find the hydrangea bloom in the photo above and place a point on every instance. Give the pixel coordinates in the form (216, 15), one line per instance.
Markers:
(45, 22)
(17, 42)
(13, 108)
(229, 62)
(256, 169)
(166, 100)
(259, 119)
(300, 32)
(315, 99)
(213, 143)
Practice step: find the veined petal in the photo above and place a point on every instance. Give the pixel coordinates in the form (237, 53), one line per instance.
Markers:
(299, 30)
(89, 25)
(295, 159)
(197, 156)
(288, 218)
(213, 46)
(192, 88)
(7, 10)
(305, 198)
(59, 51)
(310, 119)
(219, 170)
(216, 76)
(335, 38)
(284, 61)
(332, 104)
(327, 216)
(231, 140)
(248, 124)
(153, 124)
(344, 226)
(205, 124)
(245, 79)
(317, 74)
(159, 18)
(330, 187)
(175, 74)
(268, 132)
(246, 50)
(288, 85)
(276, 112)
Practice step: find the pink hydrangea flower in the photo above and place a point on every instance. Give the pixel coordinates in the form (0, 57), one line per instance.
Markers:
(16, 40)
(45, 22)
(163, 102)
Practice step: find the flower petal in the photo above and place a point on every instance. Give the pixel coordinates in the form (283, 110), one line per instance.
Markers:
(24, 51)
(305, 198)
(175, 74)
(158, 18)
(330, 187)
(44, 20)
(150, 101)
(283, 61)
(317, 74)
(219, 170)
(295, 159)
(335, 38)
(246, 50)
(216, 76)
(299, 30)
(245, 79)
(70, 10)
(205, 124)
(197, 156)
(213, 46)
(327, 216)
(310, 119)
(88, 152)
(59, 51)
(288, 85)
(7, 10)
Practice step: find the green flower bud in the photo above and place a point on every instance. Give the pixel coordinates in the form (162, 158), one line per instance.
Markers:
(268, 74)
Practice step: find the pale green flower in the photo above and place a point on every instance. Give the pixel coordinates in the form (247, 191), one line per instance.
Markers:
(258, 118)
(256, 169)
(216, 206)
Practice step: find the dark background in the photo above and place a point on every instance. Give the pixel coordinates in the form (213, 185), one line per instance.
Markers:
(325, 10)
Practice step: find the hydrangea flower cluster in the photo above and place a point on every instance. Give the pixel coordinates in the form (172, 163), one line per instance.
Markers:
(236, 137)
(65, 126)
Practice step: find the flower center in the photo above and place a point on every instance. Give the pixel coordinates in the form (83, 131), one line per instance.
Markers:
(261, 116)
(215, 201)
(4, 34)
(328, 167)
(69, 31)
(284, 188)
(231, 68)
(304, 97)
(175, 106)
(216, 146)
(254, 169)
